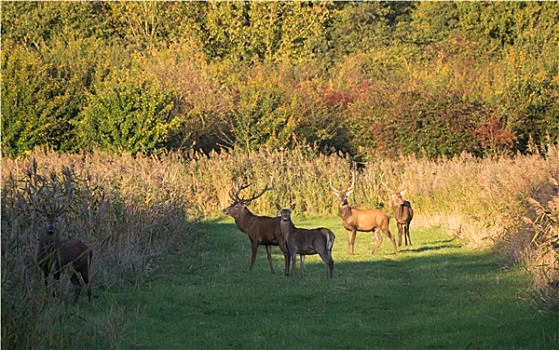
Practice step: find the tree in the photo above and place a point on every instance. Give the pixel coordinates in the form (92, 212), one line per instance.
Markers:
(129, 112)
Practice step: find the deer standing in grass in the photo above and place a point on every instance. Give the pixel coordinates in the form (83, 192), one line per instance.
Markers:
(306, 242)
(364, 220)
(261, 230)
(403, 213)
(55, 254)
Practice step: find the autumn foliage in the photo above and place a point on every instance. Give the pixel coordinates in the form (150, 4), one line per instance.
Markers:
(391, 78)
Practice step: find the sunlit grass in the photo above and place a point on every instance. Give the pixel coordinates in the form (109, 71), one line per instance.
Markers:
(436, 294)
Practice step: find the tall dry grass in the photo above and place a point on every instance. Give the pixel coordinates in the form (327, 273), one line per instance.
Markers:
(132, 209)
(129, 210)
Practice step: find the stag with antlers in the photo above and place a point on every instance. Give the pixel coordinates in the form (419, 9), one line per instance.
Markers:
(55, 254)
(261, 230)
(364, 220)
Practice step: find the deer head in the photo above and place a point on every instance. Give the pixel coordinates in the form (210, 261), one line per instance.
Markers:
(285, 213)
(343, 195)
(395, 196)
(37, 184)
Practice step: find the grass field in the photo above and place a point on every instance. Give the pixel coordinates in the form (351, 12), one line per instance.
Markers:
(436, 294)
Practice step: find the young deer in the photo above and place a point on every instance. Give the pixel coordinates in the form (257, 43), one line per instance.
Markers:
(306, 242)
(55, 254)
(403, 213)
(261, 230)
(364, 220)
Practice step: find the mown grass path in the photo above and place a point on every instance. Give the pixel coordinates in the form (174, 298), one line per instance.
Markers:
(436, 294)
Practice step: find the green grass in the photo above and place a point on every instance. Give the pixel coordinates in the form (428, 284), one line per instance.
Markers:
(435, 294)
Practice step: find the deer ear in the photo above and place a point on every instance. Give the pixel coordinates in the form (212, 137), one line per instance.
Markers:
(403, 193)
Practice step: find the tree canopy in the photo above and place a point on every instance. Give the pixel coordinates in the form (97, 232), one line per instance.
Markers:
(431, 79)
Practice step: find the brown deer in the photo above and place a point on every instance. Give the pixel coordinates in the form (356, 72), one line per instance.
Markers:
(55, 254)
(364, 220)
(403, 213)
(261, 230)
(306, 242)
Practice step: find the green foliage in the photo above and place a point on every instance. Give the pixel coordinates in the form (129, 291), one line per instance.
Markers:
(425, 78)
(262, 119)
(128, 112)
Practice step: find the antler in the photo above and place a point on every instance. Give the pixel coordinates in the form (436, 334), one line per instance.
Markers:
(336, 192)
(37, 183)
(31, 187)
(349, 190)
(234, 195)
(61, 209)
(266, 189)
(381, 178)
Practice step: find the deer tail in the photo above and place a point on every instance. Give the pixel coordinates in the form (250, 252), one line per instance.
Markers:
(329, 239)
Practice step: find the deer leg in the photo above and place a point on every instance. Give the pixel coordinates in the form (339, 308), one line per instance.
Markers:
(391, 237)
(46, 273)
(253, 257)
(85, 276)
(287, 259)
(77, 286)
(302, 262)
(56, 278)
(407, 233)
(379, 241)
(294, 263)
(400, 234)
(351, 241)
(302, 272)
(327, 258)
(269, 254)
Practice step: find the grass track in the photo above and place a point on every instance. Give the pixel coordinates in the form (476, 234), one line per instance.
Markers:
(436, 294)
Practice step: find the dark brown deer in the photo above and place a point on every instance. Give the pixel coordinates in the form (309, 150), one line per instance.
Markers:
(403, 213)
(306, 242)
(261, 230)
(55, 254)
(364, 220)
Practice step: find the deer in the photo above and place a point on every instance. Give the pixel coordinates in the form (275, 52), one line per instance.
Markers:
(403, 213)
(306, 242)
(55, 254)
(363, 220)
(261, 230)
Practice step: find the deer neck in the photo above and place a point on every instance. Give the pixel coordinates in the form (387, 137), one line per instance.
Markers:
(47, 240)
(398, 209)
(244, 219)
(48, 244)
(286, 227)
